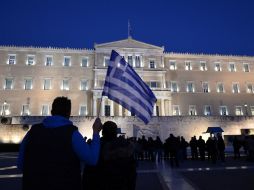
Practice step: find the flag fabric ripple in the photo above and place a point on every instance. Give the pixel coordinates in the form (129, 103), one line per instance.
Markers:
(124, 86)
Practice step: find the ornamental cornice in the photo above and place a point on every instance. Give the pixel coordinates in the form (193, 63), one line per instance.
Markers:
(123, 51)
(46, 49)
(201, 55)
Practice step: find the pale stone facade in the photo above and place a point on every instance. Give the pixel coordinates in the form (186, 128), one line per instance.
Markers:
(194, 91)
(184, 84)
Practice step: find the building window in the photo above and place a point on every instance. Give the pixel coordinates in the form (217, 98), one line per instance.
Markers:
(107, 110)
(65, 84)
(84, 84)
(137, 61)
(188, 66)
(45, 110)
(246, 67)
(220, 87)
(249, 88)
(49, 61)
(252, 110)
(47, 84)
(152, 64)
(154, 84)
(238, 110)
(8, 84)
(30, 60)
(172, 65)
(190, 87)
(84, 62)
(5, 109)
(205, 87)
(176, 110)
(67, 61)
(203, 66)
(217, 67)
(11, 59)
(174, 87)
(207, 110)
(28, 84)
(106, 61)
(130, 61)
(192, 110)
(25, 110)
(223, 110)
(82, 110)
(235, 88)
(232, 67)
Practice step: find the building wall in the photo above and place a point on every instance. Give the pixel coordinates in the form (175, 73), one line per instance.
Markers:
(96, 71)
(38, 72)
(186, 126)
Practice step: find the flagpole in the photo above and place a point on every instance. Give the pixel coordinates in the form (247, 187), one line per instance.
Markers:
(99, 110)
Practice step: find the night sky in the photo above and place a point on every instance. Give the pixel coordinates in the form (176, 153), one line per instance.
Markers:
(194, 26)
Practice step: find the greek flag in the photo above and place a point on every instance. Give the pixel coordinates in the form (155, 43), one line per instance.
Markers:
(124, 86)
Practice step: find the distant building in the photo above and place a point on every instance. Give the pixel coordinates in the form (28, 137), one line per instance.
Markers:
(184, 84)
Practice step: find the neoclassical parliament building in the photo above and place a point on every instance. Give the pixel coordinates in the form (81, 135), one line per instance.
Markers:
(184, 84)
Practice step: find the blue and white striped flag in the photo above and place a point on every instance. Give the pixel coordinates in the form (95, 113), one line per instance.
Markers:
(124, 86)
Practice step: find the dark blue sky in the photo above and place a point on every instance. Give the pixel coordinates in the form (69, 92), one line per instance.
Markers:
(194, 26)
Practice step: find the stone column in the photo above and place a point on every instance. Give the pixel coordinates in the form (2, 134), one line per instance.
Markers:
(94, 106)
(133, 60)
(154, 110)
(102, 107)
(120, 108)
(162, 108)
(111, 108)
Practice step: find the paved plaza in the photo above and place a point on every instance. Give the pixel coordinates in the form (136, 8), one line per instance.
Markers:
(198, 175)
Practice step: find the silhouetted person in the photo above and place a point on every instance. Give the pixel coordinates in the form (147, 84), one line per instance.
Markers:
(183, 146)
(116, 168)
(209, 148)
(221, 148)
(151, 149)
(51, 151)
(158, 148)
(236, 146)
(201, 148)
(144, 145)
(214, 149)
(194, 148)
(174, 146)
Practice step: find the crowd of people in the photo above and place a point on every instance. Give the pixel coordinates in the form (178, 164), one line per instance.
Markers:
(51, 153)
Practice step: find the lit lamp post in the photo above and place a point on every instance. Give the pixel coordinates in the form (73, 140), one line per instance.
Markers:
(246, 109)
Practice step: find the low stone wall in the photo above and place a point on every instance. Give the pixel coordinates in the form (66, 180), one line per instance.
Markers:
(186, 126)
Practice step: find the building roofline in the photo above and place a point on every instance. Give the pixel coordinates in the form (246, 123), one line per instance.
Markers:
(210, 55)
(45, 48)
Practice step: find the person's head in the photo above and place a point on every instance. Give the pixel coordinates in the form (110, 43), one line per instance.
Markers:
(61, 106)
(109, 130)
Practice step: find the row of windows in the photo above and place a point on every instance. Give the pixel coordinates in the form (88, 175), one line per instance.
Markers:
(207, 110)
(46, 85)
(48, 60)
(223, 110)
(203, 66)
(5, 109)
(190, 87)
(173, 85)
(135, 61)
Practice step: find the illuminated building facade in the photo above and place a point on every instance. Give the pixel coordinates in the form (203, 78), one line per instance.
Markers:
(184, 84)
